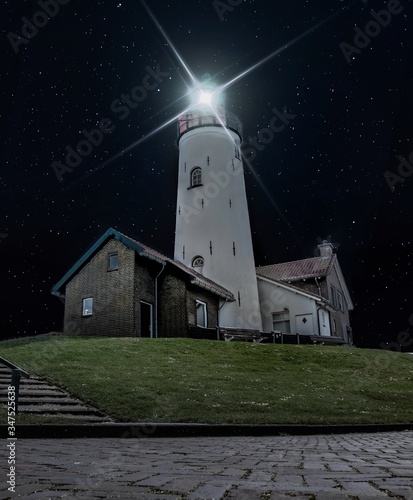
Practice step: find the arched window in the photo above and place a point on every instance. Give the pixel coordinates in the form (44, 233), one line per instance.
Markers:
(196, 176)
(197, 261)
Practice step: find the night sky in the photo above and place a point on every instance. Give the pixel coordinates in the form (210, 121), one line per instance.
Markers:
(348, 119)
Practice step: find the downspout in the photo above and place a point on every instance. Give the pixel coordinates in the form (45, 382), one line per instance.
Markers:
(156, 299)
(318, 319)
(318, 310)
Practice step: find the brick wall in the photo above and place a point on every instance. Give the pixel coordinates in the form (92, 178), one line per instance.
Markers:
(172, 320)
(310, 285)
(112, 291)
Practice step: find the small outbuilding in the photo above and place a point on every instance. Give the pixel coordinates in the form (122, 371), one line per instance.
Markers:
(121, 287)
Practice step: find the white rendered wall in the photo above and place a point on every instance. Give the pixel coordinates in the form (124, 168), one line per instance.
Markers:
(274, 298)
(213, 219)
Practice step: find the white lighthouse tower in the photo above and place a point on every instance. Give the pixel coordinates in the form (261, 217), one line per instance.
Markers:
(213, 234)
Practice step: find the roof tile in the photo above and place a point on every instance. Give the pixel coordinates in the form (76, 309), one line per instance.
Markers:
(296, 270)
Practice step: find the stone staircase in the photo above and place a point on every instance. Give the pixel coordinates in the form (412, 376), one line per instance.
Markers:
(39, 397)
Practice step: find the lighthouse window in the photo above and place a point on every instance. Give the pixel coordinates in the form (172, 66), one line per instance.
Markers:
(198, 261)
(196, 177)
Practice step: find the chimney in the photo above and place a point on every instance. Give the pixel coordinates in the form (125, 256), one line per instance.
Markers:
(326, 249)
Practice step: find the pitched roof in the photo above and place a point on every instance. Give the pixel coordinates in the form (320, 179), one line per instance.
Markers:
(316, 267)
(291, 287)
(146, 252)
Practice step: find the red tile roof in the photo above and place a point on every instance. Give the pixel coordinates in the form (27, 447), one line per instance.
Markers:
(296, 270)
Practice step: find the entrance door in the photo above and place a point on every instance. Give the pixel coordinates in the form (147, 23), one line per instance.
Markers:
(324, 322)
(146, 319)
(304, 324)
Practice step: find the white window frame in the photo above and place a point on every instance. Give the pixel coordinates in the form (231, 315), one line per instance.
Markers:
(196, 178)
(198, 304)
(196, 261)
(87, 311)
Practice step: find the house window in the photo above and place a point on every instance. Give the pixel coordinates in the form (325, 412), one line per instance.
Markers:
(201, 314)
(113, 261)
(334, 327)
(340, 303)
(87, 309)
(333, 296)
(198, 261)
(196, 177)
(281, 321)
(337, 299)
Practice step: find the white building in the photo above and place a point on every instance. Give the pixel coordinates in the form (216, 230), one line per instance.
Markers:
(307, 297)
(213, 233)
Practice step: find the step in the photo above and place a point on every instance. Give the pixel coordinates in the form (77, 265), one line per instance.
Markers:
(80, 418)
(75, 409)
(38, 396)
(41, 393)
(43, 400)
(33, 387)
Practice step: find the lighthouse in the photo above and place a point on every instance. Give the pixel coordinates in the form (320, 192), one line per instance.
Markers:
(213, 234)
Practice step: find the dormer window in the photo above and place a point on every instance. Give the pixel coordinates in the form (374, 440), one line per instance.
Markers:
(196, 177)
(198, 261)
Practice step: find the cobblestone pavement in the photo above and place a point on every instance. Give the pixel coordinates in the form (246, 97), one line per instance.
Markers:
(352, 466)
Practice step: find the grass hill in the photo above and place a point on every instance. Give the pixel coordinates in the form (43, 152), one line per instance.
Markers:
(183, 380)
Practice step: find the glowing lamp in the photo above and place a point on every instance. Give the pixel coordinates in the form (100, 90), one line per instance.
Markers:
(205, 98)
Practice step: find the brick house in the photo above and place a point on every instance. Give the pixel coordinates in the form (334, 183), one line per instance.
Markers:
(307, 297)
(121, 287)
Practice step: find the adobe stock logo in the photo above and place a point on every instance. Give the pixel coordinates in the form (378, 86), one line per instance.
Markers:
(278, 123)
(372, 29)
(405, 169)
(48, 10)
(93, 138)
(221, 7)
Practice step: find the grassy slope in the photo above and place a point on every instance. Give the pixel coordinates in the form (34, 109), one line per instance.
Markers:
(181, 380)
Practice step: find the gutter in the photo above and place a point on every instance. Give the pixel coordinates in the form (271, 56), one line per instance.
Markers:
(156, 297)
(227, 298)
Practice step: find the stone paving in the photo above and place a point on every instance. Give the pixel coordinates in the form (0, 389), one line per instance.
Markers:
(322, 467)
